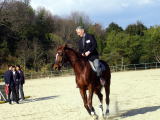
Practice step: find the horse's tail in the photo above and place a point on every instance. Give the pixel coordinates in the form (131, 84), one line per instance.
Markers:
(107, 75)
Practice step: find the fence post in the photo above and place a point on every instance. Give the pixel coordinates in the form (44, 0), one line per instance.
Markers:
(134, 67)
(51, 73)
(113, 69)
(156, 64)
(121, 67)
(41, 74)
(31, 75)
(145, 66)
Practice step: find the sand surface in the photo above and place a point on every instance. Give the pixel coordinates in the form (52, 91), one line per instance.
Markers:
(135, 95)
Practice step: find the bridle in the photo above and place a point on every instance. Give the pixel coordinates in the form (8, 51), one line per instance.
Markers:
(62, 57)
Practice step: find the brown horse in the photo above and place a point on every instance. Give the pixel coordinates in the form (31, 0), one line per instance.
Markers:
(86, 78)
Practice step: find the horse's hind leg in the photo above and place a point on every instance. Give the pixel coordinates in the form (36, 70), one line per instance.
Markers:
(100, 96)
(84, 97)
(107, 91)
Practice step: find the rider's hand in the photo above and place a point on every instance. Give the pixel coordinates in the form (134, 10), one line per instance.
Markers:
(87, 53)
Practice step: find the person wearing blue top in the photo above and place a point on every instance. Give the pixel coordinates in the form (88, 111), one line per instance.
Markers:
(21, 81)
(9, 81)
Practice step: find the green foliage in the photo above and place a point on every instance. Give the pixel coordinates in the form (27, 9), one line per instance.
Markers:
(136, 44)
(57, 40)
(114, 27)
(116, 48)
(136, 29)
(151, 45)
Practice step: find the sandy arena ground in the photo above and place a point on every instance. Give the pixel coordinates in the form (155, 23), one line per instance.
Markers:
(135, 95)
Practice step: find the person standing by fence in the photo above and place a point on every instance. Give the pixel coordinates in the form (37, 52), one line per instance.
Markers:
(21, 81)
(9, 81)
(16, 77)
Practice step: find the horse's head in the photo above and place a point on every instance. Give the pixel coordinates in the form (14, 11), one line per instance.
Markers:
(60, 57)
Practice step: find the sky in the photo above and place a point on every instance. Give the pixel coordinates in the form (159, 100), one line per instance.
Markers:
(122, 12)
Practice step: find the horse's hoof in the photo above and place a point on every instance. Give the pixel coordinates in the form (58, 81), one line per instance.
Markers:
(101, 110)
(102, 117)
(106, 114)
(95, 117)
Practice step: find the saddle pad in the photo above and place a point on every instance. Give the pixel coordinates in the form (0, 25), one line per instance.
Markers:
(102, 66)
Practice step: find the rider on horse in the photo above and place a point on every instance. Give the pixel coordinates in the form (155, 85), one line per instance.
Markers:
(87, 47)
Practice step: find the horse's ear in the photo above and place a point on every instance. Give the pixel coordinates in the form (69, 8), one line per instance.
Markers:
(65, 45)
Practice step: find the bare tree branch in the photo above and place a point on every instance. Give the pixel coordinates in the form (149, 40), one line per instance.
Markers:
(2, 4)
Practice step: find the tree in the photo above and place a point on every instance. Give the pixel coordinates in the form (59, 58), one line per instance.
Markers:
(136, 29)
(80, 18)
(152, 42)
(116, 47)
(113, 27)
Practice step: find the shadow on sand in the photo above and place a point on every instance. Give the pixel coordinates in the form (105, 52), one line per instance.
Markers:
(140, 111)
(38, 99)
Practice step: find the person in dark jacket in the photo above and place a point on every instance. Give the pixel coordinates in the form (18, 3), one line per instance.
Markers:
(9, 81)
(21, 81)
(88, 48)
(16, 78)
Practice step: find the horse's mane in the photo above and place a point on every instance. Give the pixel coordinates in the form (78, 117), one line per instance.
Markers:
(76, 53)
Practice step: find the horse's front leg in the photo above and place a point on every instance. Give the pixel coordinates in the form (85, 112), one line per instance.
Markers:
(84, 97)
(90, 103)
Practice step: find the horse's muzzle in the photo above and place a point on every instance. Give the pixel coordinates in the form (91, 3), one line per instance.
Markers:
(56, 67)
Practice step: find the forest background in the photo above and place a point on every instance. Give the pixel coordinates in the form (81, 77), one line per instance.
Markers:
(30, 37)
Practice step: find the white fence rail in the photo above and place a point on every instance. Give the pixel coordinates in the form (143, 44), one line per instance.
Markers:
(142, 66)
(69, 71)
(49, 74)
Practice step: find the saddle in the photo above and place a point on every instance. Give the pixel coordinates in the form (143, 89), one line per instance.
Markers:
(102, 66)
